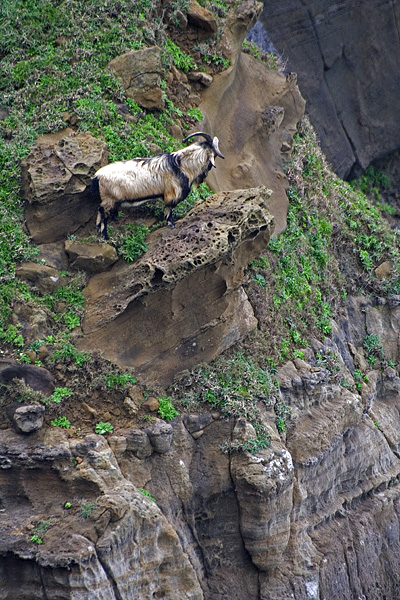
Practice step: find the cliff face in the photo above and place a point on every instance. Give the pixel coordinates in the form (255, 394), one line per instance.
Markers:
(346, 55)
(315, 515)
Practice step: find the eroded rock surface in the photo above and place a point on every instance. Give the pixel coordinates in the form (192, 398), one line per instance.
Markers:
(56, 185)
(188, 286)
(140, 72)
(254, 111)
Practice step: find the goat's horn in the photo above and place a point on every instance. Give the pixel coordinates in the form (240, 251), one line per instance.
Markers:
(206, 135)
(215, 143)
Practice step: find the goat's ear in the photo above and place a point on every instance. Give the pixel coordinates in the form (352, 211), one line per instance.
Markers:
(212, 160)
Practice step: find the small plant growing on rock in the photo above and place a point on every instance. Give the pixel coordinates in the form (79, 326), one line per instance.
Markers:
(166, 409)
(36, 539)
(148, 495)
(134, 244)
(115, 381)
(103, 428)
(86, 509)
(60, 393)
(61, 422)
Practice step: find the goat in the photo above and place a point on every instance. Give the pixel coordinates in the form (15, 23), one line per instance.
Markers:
(169, 176)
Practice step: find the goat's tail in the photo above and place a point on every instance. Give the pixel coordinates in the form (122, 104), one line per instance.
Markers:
(94, 188)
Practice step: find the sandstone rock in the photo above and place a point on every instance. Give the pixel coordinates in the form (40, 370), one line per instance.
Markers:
(201, 17)
(128, 306)
(137, 442)
(90, 257)
(83, 557)
(160, 435)
(35, 321)
(151, 404)
(195, 422)
(55, 180)
(384, 270)
(54, 256)
(46, 279)
(28, 419)
(264, 488)
(258, 120)
(140, 72)
(38, 378)
(346, 73)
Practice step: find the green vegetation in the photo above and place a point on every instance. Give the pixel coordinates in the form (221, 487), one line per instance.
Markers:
(104, 427)
(134, 245)
(68, 505)
(166, 409)
(61, 422)
(179, 58)
(148, 495)
(36, 539)
(331, 227)
(237, 387)
(59, 394)
(115, 380)
(86, 509)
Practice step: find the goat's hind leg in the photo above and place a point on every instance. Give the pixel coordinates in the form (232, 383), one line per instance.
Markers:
(101, 223)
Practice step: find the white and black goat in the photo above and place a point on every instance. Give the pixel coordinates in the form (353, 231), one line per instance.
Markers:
(169, 176)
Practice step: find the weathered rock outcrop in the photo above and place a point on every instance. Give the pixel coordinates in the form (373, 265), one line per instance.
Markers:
(140, 72)
(254, 111)
(182, 302)
(346, 58)
(315, 515)
(121, 546)
(56, 185)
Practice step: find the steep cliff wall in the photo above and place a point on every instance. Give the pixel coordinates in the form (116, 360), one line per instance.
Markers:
(303, 508)
(346, 55)
(315, 515)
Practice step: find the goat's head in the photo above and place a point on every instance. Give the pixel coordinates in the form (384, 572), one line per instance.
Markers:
(211, 142)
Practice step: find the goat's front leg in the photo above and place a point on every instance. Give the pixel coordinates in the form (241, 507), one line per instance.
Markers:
(169, 217)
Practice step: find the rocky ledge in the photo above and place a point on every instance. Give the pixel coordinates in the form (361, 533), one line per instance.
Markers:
(188, 286)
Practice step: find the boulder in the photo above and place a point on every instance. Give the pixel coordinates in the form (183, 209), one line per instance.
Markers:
(137, 442)
(140, 72)
(127, 306)
(45, 279)
(160, 435)
(55, 185)
(38, 378)
(90, 257)
(201, 17)
(28, 419)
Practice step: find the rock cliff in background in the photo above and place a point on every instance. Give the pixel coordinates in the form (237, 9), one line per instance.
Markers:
(346, 56)
(182, 302)
(254, 111)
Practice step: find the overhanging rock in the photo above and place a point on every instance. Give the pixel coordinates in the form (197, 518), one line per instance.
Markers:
(183, 301)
